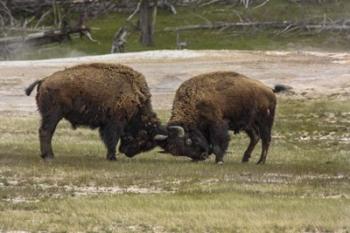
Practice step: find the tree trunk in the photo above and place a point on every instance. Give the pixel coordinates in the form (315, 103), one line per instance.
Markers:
(147, 17)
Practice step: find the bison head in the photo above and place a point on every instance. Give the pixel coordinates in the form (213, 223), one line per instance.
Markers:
(139, 135)
(179, 142)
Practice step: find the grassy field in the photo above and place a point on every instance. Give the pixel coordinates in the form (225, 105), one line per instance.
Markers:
(304, 187)
(104, 28)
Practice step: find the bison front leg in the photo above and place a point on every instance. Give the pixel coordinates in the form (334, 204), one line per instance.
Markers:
(219, 139)
(46, 131)
(110, 134)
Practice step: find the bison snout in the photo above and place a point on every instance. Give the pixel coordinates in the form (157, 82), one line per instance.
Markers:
(129, 152)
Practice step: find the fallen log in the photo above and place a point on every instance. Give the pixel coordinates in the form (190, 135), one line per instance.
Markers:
(11, 44)
(41, 38)
(274, 25)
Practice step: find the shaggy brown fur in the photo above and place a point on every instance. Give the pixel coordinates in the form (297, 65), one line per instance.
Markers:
(103, 96)
(215, 102)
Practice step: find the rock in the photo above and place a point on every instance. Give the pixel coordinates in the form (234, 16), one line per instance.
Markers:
(282, 88)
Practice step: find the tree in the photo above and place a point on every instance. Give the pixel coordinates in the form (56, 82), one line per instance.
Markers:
(148, 12)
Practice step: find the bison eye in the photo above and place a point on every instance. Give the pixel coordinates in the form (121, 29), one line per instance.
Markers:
(188, 142)
(128, 138)
(143, 133)
(140, 143)
(149, 144)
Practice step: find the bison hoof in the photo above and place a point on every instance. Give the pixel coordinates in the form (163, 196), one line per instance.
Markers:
(260, 162)
(112, 158)
(47, 157)
(220, 163)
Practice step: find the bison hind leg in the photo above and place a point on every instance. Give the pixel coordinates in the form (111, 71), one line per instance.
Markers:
(48, 126)
(266, 139)
(110, 134)
(254, 139)
(265, 133)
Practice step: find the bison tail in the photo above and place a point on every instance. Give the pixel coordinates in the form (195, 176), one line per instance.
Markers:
(29, 89)
(281, 88)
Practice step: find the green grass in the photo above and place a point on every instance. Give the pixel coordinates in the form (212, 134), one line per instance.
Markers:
(304, 186)
(104, 28)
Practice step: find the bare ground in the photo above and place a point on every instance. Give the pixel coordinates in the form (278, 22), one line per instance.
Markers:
(311, 74)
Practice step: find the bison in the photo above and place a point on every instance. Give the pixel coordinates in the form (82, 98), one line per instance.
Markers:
(207, 106)
(113, 98)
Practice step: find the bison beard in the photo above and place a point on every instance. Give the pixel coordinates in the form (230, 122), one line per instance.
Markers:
(209, 105)
(113, 98)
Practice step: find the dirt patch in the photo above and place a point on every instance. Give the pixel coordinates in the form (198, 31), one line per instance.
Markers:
(60, 191)
(18, 200)
(311, 74)
(275, 178)
(95, 190)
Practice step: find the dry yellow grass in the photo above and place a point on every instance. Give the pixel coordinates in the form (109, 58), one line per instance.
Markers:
(305, 185)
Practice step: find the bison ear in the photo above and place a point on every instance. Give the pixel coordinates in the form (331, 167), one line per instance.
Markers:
(160, 137)
(188, 142)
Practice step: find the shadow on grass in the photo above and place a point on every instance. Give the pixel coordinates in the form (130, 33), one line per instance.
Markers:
(88, 160)
(156, 161)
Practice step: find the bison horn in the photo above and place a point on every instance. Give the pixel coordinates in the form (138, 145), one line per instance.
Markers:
(179, 129)
(160, 137)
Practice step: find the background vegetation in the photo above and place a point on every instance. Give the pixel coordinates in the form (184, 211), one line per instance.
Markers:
(104, 27)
